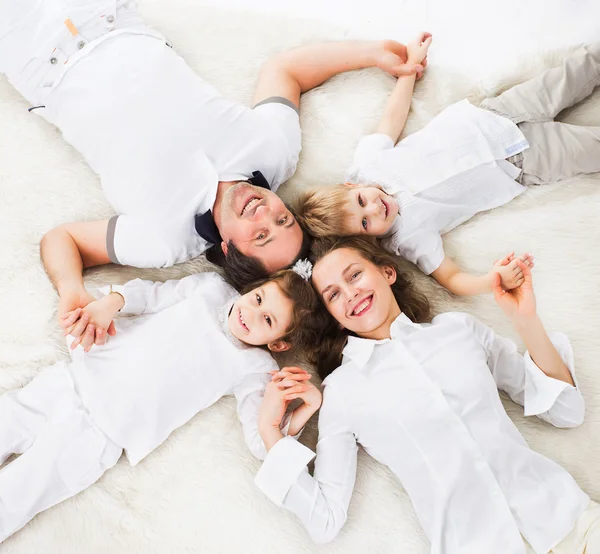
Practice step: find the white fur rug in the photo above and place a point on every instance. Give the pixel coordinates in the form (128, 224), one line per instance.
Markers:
(196, 492)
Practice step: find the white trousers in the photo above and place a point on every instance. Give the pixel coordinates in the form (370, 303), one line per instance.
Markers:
(62, 451)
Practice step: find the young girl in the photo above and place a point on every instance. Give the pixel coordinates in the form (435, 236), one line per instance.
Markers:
(189, 344)
(422, 398)
(466, 160)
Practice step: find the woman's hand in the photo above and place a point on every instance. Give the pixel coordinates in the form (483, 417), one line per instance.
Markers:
(519, 303)
(511, 275)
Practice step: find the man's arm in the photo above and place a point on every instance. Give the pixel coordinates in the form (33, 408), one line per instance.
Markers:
(65, 251)
(291, 73)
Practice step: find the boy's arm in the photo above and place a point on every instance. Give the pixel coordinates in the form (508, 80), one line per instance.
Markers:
(398, 105)
(461, 283)
(291, 73)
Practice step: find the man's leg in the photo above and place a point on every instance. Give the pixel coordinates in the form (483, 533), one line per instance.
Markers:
(559, 151)
(543, 97)
(67, 454)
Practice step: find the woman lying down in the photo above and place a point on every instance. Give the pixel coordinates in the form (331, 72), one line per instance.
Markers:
(422, 399)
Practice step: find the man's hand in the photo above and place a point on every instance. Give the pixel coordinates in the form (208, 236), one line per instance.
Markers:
(518, 304)
(90, 325)
(392, 57)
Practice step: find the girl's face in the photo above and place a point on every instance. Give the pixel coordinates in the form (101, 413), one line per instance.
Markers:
(357, 293)
(262, 316)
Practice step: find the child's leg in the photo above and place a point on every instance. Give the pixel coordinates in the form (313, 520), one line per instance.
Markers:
(67, 455)
(543, 97)
(559, 151)
(25, 412)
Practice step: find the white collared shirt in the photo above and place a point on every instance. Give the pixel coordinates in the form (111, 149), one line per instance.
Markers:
(172, 360)
(441, 176)
(425, 403)
(158, 135)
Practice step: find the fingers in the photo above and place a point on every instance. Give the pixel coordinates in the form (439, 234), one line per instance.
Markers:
(406, 69)
(88, 337)
(111, 329)
(78, 329)
(100, 337)
(526, 271)
(68, 319)
(527, 259)
(295, 392)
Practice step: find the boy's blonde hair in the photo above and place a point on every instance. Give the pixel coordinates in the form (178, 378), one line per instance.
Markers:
(322, 210)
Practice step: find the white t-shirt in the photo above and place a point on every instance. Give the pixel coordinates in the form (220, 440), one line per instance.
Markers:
(174, 359)
(161, 139)
(441, 176)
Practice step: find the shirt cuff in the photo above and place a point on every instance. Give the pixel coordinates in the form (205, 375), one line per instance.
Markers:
(541, 390)
(134, 304)
(281, 468)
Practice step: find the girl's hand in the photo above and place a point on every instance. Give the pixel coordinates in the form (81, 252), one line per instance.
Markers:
(519, 303)
(274, 405)
(90, 324)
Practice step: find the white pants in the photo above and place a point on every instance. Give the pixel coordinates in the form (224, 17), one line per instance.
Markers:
(62, 450)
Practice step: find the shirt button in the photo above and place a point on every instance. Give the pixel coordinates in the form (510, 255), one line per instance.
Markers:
(80, 44)
(110, 18)
(53, 61)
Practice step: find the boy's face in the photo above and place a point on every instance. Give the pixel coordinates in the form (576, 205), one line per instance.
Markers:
(262, 316)
(371, 211)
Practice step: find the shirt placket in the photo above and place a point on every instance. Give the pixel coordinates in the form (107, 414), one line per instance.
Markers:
(452, 458)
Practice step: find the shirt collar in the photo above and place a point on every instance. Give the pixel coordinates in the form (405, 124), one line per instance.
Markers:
(360, 350)
(205, 223)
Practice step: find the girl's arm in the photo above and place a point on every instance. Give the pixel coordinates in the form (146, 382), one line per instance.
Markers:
(398, 105)
(462, 283)
(321, 502)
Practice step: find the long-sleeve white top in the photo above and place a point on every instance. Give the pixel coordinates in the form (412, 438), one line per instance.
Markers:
(172, 360)
(426, 404)
(441, 176)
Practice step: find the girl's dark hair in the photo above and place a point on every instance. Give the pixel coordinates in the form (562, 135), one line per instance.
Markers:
(413, 303)
(240, 269)
(309, 318)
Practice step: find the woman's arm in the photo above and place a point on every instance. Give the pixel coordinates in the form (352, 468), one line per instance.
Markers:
(543, 379)
(321, 502)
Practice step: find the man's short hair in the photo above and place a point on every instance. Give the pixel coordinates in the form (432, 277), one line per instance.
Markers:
(241, 270)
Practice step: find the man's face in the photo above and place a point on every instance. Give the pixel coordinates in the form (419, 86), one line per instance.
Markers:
(259, 224)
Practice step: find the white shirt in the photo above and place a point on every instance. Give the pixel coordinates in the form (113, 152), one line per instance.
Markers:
(441, 176)
(425, 403)
(172, 360)
(159, 136)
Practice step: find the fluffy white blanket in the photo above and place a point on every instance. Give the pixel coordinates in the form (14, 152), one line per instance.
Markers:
(196, 492)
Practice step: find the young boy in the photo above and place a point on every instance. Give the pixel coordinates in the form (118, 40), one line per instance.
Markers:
(466, 160)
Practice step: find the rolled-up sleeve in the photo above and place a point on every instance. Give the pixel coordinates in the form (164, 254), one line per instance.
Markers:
(550, 399)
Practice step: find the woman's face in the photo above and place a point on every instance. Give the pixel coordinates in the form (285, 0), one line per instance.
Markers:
(356, 292)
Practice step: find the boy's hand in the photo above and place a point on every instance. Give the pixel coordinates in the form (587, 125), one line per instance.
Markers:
(417, 51)
(392, 57)
(90, 324)
(518, 304)
(511, 275)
